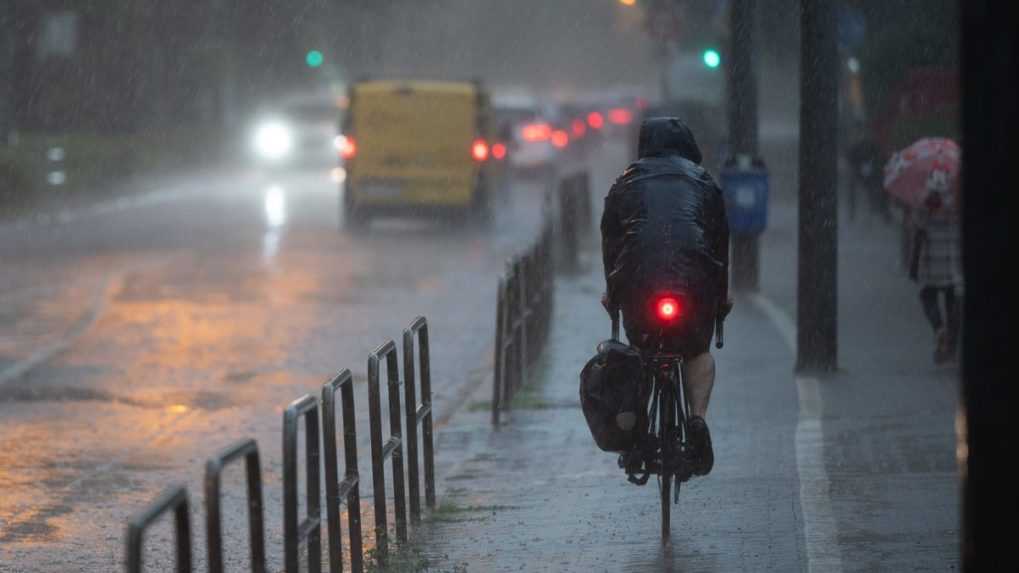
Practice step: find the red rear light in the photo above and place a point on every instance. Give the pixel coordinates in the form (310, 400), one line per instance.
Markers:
(536, 132)
(667, 309)
(560, 138)
(346, 146)
(479, 150)
(499, 151)
(620, 116)
(595, 120)
(579, 128)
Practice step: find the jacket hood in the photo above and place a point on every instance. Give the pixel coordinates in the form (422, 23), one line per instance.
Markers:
(665, 136)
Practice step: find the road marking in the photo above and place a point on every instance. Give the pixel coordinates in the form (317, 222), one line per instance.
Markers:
(820, 528)
(782, 321)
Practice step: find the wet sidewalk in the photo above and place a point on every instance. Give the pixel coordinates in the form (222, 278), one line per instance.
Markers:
(854, 472)
(538, 495)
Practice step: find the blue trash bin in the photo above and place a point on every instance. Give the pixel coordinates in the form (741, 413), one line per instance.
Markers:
(745, 188)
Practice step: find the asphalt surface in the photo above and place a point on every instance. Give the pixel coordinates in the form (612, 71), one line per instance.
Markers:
(140, 336)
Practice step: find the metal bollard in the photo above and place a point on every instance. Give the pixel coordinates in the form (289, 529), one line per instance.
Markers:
(498, 378)
(390, 449)
(582, 190)
(247, 450)
(568, 226)
(418, 414)
(350, 487)
(174, 499)
(309, 530)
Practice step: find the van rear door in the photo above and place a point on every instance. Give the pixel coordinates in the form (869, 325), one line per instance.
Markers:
(414, 143)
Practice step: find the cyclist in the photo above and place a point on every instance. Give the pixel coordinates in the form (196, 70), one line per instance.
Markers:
(664, 229)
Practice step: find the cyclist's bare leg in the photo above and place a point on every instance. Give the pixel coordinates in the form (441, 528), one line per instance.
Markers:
(699, 379)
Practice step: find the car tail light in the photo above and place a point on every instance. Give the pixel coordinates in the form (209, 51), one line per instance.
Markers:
(479, 150)
(560, 138)
(595, 120)
(579, 128)
(346, 146)
(620, 116)
(667, 308)
(499, 151)
(536, 132)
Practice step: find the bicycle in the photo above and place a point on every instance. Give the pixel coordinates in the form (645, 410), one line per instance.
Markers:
(666, 448)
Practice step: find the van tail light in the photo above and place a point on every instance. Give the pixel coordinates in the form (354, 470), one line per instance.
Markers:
(346, 146)
(479, 150)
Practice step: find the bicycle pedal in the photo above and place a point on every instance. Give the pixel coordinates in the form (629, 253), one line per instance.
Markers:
(642, 480)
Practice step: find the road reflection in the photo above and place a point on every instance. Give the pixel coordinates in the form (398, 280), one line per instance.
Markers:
(275, 209)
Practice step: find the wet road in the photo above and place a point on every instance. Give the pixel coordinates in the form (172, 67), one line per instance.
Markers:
(139, 337)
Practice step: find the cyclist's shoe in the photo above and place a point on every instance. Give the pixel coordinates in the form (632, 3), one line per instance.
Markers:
(703, 455)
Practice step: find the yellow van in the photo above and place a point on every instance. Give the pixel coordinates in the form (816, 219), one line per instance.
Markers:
(415, 147)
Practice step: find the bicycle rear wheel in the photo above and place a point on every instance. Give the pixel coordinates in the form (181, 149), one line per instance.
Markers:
(667, 435)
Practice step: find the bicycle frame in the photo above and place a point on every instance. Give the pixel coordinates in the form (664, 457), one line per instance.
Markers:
(667, 424)
(664, 375)
(667, 440)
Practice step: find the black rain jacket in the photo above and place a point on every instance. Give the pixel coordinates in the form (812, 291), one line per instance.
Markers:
(664, 224)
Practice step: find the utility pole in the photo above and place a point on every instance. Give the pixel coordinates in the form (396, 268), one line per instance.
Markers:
(817, 301)
(742, 111)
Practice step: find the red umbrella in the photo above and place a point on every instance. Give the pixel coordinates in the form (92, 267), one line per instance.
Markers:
(930, 164)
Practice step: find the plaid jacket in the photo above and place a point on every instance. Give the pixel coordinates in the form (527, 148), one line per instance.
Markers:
(939, 259)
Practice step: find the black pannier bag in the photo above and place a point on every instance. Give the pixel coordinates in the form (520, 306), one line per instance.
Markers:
(610, 384)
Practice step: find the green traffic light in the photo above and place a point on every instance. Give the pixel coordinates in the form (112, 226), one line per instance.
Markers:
(314, 59)
(712, 58)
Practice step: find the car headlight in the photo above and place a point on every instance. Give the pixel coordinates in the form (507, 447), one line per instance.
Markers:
(273, 140)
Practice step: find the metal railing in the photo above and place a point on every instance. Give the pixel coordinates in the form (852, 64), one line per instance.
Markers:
(390, 449)
(419, 414)
(247, 450)
(523, 313)
(525, 295)
(575, 218)
(309, 530)
(350, 487)
(417, 386)
(174, 499)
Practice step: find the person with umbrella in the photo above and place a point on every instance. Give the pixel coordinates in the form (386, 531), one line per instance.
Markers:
(925, 178)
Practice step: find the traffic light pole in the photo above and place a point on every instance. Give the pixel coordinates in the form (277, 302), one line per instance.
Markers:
(817, 302)
(742, 112)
